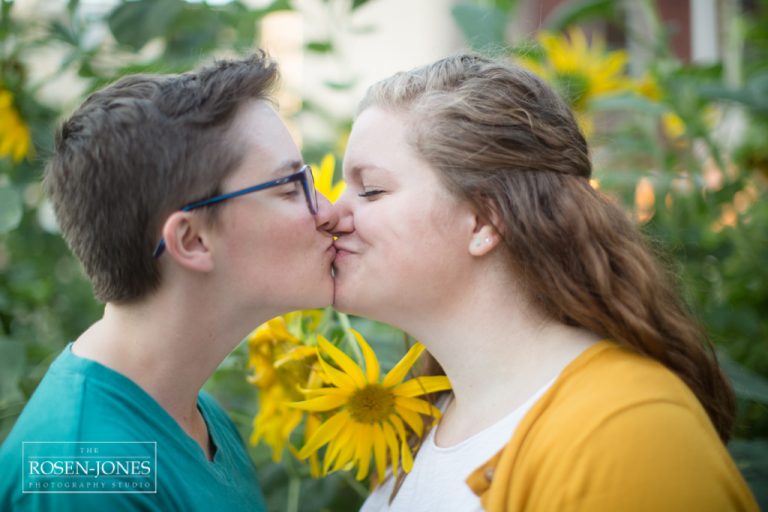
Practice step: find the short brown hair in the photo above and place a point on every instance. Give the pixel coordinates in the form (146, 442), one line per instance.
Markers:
(139, 149)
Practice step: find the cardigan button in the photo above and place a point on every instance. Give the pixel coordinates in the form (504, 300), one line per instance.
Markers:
(488, 474)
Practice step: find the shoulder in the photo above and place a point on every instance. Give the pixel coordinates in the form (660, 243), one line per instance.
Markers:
(620, 431)
(609, 380)
(614, 399)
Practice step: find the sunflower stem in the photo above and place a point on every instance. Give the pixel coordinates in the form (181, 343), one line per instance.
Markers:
(294, 488)
(356, 486)
(350, 339)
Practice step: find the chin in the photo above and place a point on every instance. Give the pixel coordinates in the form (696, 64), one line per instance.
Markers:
(348, 301)
(324, 295)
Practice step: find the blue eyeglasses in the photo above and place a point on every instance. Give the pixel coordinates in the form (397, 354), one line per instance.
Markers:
(304, 175)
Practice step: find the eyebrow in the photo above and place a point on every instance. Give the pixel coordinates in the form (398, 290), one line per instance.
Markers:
(356, 170)
(286, 167)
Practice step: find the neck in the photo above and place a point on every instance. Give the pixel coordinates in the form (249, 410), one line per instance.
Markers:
(496, 350)
(169, 345)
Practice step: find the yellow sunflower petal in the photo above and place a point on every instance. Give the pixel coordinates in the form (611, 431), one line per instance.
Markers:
(399, 427)
(407, 457)
(324, 434)
(394, 449)
(396, 374)
(325, 176)
(325, 392)
(311, 426)
(292, 419)
(380, 451)
(372, 370)
(342, 439)
(343, 360)
(412, 419)
(422, 386)
(417, 405)
(296, 354)
(323, 403)
(579, 44)
(337, 377)
(347, 453)
(337, 190)
(363, 455)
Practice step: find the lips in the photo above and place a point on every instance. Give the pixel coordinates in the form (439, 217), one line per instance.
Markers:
(342, 251)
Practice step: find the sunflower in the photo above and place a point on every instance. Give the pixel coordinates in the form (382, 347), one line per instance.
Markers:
(366, 416)
(282, 364)
(324, 178)
(580, 71)
(15, 139)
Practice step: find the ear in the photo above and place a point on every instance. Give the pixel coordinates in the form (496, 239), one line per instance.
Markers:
(187, 242)
(484, 237)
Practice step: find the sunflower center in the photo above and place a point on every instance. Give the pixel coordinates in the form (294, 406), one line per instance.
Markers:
(371, 404)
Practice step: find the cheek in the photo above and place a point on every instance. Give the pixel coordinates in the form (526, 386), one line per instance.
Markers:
(273, 246)
(410, 242)
(289, 240)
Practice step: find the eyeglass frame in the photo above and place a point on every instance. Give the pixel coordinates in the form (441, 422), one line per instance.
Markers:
(304, 174)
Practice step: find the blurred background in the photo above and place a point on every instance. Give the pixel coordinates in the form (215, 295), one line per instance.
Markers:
(672, 94)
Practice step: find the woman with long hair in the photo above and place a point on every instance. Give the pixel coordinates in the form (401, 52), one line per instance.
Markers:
(580, 380)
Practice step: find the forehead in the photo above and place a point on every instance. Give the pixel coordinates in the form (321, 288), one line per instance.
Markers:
(264, 140)
(380, 139)
(372, 124)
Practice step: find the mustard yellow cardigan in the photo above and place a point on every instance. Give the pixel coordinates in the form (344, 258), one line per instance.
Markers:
(615, 432)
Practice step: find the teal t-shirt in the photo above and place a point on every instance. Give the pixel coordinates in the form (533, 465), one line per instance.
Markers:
(92, 439)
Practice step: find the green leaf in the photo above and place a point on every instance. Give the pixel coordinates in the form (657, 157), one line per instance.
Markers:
(63, 33)
(570, 13)
(754, 95)
(358, 3)
(277, 5)
(195, 29)
(746, 384)
(630, 102)
(752, 460)
(339, 86)
(508, 6)
(10, 209)
(135, 23)
(483, 27)
(320, 46)
(12, 360)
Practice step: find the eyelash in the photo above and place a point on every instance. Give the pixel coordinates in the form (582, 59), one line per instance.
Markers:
(290, 193)
(370, 193)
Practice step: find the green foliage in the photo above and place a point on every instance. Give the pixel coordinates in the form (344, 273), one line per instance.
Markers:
(574, 12)
(484, 27)
(46, 302)
(10, 209)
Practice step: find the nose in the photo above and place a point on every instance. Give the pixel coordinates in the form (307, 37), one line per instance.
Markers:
(344, 219)
(327, 218)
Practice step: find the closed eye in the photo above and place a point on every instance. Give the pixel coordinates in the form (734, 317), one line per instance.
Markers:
(370, 193)
(290, 189)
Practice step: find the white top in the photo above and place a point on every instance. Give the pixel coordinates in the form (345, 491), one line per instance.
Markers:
(437, 480)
